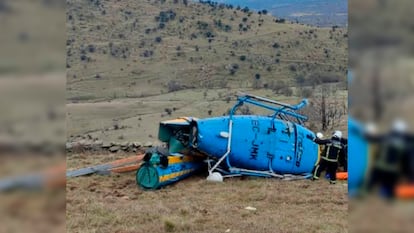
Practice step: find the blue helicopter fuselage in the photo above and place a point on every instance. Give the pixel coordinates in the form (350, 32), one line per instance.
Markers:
(259, 143)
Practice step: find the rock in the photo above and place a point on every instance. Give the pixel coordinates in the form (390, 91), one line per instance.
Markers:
(137, 144)
(250, 208)
(82, 142)
(98, 143)
(115, 143)
(148, 144)
(114, 149)
(106, 145)
(69, 146)
(124, 144)
(85, 143)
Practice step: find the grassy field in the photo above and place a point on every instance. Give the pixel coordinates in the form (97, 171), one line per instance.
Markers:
(137, 119)
(115, 204)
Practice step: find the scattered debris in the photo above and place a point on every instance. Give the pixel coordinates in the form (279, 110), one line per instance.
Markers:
(121, 165)
(250, 208)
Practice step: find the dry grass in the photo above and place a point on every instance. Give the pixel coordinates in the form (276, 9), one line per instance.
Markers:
(115, 204)
(35, 210)
(132, 93)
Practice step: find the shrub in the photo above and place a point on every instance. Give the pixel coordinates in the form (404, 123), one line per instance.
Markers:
(306, 92)
(287, 91)
(276, 45)
(281, 20)
(300, 79)
(279, 85)
(168, 111)
(173, 86)
(158, 39)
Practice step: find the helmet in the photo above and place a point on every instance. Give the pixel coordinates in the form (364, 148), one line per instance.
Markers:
(319, 135)
(371, 128)
(399, 126)
(337, 134)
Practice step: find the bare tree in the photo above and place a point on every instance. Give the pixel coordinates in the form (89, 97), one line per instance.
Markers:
(326, 109)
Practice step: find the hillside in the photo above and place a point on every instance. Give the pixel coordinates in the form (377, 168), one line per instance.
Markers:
(133, 63)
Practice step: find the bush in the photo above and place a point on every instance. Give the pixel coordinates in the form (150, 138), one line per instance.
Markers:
(242, 58)
(227, 28)
(276, 87)
(174, 86)
(281, 20)
(168, 111)
(287, 91)
(292, 67)
(245, 110)
(276, 45)
(306, 92)
(158, 39)
(300, 79)
(147, 53)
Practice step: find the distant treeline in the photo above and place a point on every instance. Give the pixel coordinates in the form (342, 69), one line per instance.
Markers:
(230, 6)
(223, 5)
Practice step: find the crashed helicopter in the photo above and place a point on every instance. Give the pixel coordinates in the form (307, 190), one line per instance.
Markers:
(276, 145)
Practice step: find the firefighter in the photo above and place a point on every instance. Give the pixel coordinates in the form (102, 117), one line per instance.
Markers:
(333, 150)
(390, 159)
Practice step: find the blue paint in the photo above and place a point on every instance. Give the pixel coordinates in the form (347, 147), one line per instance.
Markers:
(357, 156)
(152, 175)
(260, 143)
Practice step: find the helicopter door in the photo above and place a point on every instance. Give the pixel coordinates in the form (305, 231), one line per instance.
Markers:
(299, 149)
(283, 142)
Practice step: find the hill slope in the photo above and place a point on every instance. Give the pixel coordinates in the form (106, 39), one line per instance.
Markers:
(134, 59)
